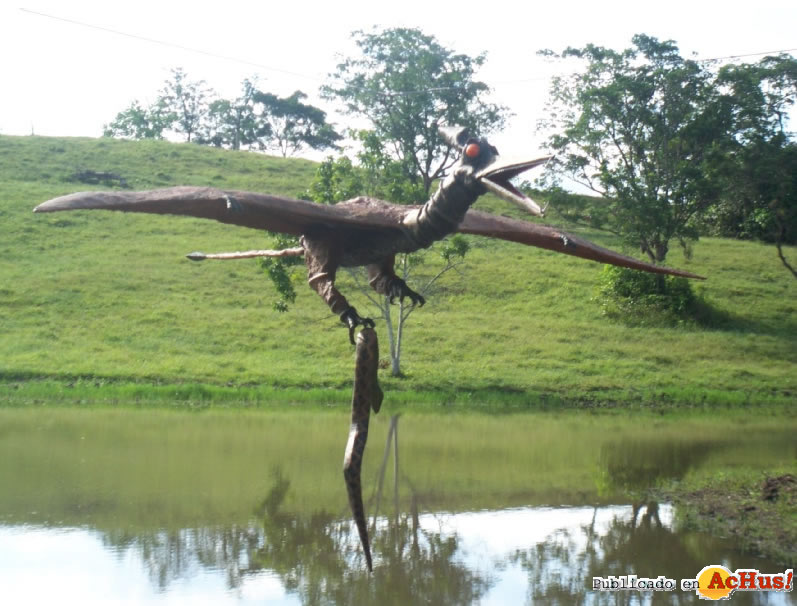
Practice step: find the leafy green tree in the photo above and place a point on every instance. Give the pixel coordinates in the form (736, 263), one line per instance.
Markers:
(220, 127)
(408, 85)
(138, 122)
(758, 172)
(338, 180)
(231, 124)
(187, 101)
(452, 251)
(385, 177)
(640, 127)
(288, 125)
(280, 271)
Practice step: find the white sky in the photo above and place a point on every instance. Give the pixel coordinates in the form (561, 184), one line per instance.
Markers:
(63, 79)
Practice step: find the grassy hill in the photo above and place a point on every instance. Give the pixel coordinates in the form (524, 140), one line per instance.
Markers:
(104, 306)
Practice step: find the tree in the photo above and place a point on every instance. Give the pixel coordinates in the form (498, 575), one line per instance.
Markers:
(231, 124)
(407, 85)
(452, 251)
(338, 180)
(640, 128)
(138, 122)
(383, 178)
(182, 105)
(187, 101)
(289, 125)
(758, 172)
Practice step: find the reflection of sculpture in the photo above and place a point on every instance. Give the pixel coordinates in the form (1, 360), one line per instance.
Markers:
(312, 556)
(369, 232)
(367, 394)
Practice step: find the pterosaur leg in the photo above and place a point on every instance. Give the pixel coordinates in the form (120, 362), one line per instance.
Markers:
(323, 259)
(383, 279)
(366, 395)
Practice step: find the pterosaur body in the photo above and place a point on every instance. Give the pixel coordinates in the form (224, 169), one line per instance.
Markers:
(368, 232)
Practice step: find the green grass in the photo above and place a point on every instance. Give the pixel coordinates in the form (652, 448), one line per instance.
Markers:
(103, 307)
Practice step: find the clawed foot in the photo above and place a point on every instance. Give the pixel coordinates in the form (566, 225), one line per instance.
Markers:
(352, 319)
(400, 289)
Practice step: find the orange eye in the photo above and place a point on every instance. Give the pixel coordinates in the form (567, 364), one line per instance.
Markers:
(472, 150)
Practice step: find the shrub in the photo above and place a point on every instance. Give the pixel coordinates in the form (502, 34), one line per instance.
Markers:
(641, 298)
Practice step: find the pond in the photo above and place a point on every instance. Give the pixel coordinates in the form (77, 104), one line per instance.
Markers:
(248, 507)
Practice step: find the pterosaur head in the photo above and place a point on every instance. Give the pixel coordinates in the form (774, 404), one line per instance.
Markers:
(492, 171)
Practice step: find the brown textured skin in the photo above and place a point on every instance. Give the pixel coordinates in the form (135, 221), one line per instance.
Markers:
(347, 226)
(366, 395)
(359, 232)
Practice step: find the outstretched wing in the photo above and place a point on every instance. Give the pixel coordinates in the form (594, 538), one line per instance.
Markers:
(279, 214)
(542, 236)
(247, 209)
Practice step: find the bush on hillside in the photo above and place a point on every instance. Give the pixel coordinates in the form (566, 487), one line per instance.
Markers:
(645, 299)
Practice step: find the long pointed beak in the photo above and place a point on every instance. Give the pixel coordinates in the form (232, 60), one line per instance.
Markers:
(496, 177)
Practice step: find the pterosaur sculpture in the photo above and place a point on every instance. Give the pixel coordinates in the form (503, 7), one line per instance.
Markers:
(368, 232)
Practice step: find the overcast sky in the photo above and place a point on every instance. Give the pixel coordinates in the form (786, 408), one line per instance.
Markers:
(62, 78)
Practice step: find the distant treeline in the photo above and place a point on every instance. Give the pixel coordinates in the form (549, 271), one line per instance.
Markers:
(673, 147)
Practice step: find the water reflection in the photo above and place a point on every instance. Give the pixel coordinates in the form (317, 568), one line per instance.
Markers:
(634, 540)
(171, 556)
(317, 558)
(633, 465)
(88, 507)
(320, 560)
(531, 555)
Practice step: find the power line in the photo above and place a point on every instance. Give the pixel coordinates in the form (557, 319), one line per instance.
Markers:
(774, 52)
(169, 44)
(727, 57)
(292, 73)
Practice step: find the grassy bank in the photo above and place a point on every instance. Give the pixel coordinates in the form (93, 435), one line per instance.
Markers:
(96, 392)
(758, 509)
(103, 307)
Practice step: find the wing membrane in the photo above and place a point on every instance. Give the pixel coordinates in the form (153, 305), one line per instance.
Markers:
(246, 209)
(542, 236)
(285, 215)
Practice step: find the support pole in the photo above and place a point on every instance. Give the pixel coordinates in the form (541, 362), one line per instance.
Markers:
(366, 395)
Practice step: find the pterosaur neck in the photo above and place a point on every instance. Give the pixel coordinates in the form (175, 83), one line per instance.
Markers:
(442, 213)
